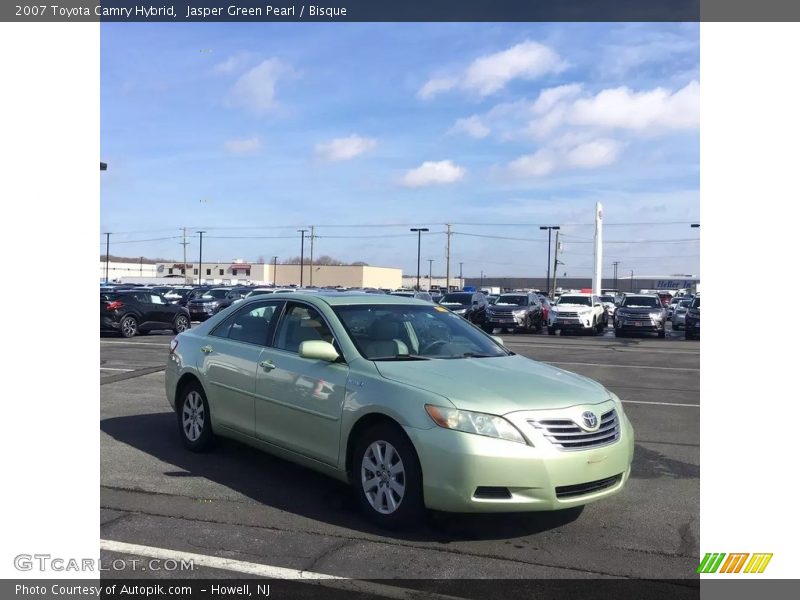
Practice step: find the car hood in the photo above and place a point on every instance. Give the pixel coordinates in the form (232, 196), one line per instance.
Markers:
(497, 385)
(452, 306)
(639, 311)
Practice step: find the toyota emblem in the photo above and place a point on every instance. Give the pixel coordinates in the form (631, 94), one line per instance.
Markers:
(589, 419)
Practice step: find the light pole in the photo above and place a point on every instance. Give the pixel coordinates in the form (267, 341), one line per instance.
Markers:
(616, 264)
(200, 265)
(460, 274)
(275, 271)
(549, 229)
(631, 280)
(108, 237)
(430, 273)
(419, 231)
(302, 249)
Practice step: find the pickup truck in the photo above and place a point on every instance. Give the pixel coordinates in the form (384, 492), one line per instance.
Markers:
(577, 312)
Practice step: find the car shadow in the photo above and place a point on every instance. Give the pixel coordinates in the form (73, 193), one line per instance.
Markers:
(280, 484)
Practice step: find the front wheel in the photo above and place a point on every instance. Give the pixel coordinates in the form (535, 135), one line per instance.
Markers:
(487, 328)
(662, 334)
(551, 330)
(387, 478)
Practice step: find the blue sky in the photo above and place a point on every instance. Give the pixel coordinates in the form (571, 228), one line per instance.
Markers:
(250, 131)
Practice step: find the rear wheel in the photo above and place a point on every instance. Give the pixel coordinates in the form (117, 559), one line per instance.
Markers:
(194, 418)
(662, 334)
(181, 324)
(387, 478)
(551, 330)
(128, 327)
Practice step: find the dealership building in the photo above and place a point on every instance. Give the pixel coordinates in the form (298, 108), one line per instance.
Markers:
(241, 272)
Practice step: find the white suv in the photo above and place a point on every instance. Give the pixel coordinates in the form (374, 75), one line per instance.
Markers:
(577, 312)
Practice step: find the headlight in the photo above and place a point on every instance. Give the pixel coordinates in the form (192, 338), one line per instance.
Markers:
(656, 316)
(460, 311)
(474, 422)
(519, 313)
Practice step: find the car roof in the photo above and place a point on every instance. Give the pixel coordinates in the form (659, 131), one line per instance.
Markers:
(334, 298)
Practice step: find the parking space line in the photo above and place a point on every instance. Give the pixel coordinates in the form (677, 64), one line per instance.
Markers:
(156, 344)
(115, 369)
(269, 571)
(620, 366)
(660, 403)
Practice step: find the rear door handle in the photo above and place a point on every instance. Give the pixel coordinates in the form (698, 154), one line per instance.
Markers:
(206, 349)
(268, 365)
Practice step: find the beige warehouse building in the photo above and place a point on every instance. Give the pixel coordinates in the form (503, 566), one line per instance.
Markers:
(240, 272)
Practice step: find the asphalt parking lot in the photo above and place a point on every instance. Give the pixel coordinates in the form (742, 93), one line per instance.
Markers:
(237, 503)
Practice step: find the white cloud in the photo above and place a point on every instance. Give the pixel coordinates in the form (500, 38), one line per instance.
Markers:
(233, 63)
(597, 153)
(540, 163)
(345, 148)
(433, 173)
(550, 97)
(567, 153)
(471, 126)
(491, 73)
(255, 90)
(243, 145)
(435, 86)
(657, 109)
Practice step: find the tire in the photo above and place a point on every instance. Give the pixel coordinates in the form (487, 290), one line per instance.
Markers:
(387, 502)
(619, 333)
(194, 418)
(487, 328)
(662, 334)
(128, 327)
(551, 330)
(181, 324)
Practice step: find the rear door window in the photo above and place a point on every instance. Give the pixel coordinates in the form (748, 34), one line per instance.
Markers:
(250, 325)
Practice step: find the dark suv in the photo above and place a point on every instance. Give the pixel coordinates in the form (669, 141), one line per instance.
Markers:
(470, 305)
(693, 320)
(518, 310)
(212, 301)
(137, 311)
(640, 313)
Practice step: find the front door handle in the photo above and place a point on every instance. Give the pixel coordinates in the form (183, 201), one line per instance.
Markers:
(267, 365)
(206, 349)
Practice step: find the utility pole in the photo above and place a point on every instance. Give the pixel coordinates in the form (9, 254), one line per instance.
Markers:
(311, 260)
(430, 273)
(555, 269)
(185, 267)
(275, 271)
(302, 249)
(461, 274)
(616, 264)
(141, 266)
(549, 229)
(481, 279)
(631, 279)
(447, 258)
(108, 237)
(200, 266)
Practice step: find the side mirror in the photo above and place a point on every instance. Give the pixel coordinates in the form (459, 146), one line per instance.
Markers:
(318, 350)
(498, 339)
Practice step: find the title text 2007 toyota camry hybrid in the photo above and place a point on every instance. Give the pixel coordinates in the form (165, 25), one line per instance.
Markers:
(408, 402)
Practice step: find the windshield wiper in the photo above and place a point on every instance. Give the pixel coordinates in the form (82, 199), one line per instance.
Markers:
(400, 357)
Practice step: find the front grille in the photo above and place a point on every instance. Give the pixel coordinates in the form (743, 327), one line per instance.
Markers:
(565, 434)
(582, 489)
(564, 313)
(492, 493)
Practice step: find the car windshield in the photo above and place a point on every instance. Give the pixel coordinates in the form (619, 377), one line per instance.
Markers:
(462, 298)
(607, 299)
(576, 300)
(684, 303)
(410, 332)
(515, 300)
(641, 302)
(215, 294)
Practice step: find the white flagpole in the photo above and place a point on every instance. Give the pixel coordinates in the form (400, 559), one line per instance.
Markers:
(597, 281)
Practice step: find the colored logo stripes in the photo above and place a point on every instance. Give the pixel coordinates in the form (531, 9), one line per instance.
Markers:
(715, 562)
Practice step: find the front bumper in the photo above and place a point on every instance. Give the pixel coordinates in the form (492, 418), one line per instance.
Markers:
(505, 320)
(200, 313)
(692, 326)
(570, 323)
(538, 478)
(645, 324)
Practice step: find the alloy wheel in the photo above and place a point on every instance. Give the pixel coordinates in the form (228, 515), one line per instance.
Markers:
(128, 327)
(193, 416)
(181, 324)
(383, 477)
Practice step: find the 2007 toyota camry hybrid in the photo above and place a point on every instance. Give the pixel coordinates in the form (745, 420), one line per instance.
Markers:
(411, 404)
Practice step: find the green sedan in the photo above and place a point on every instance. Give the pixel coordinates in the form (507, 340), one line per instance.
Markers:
(410, 404)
